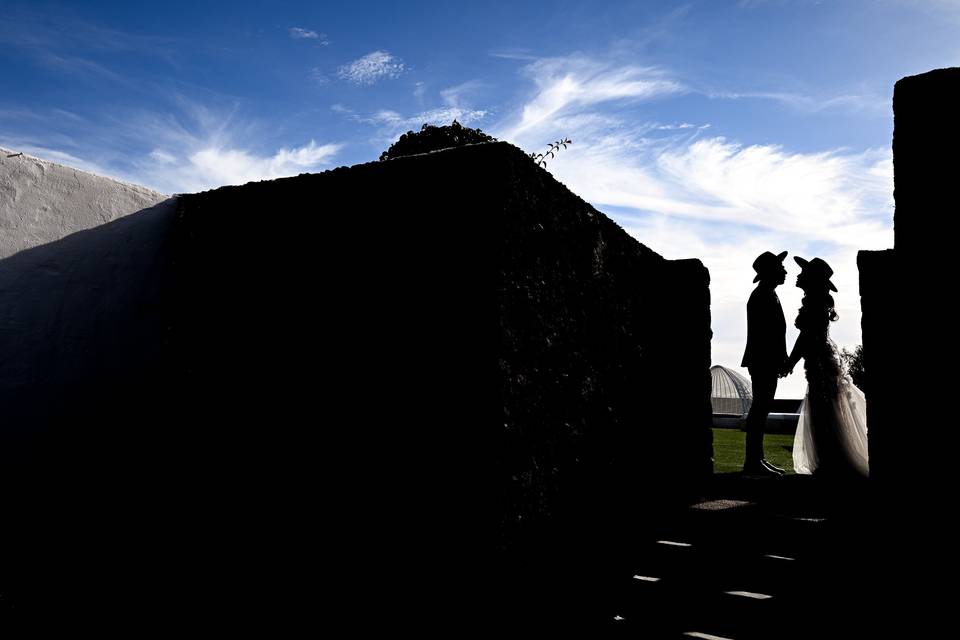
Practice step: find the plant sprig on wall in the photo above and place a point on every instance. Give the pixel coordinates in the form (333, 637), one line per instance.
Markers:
(551, 152)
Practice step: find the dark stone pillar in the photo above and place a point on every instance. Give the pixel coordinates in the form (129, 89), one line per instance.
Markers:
(909, 338)
(888, 417)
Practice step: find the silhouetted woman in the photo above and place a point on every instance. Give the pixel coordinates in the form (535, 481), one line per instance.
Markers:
(831, 437)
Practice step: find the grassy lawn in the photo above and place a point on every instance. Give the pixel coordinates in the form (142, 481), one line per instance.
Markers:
(728, 450)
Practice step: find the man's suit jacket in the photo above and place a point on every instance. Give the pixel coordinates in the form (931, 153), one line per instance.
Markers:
(766, 331)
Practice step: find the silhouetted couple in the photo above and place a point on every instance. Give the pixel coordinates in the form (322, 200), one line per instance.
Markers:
(831, 438)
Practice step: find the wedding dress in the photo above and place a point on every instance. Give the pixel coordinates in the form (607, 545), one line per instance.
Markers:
(831, 436)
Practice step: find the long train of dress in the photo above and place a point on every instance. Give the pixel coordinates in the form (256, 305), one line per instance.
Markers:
(832, 435)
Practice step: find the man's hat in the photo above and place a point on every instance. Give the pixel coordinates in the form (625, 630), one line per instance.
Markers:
(817, 269)
(767, 262)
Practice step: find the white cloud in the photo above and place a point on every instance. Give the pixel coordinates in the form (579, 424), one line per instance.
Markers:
(835, 196)
(390, 123)
(298, 33)
(831, 196)
(206, 147)
(162, 157)
(850, 103)
(728, 252)
(419, 90)
(371, 68)
(194, 148)
(686, 195)
(213, 165)
(461, 94)
(577, 82)
(513, 54)
(444, 115)
(752, 4)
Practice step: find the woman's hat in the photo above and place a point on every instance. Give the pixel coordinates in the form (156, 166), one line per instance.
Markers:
(767, 262)
(817, 269)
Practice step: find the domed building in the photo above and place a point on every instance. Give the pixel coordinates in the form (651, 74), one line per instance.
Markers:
(731, 397)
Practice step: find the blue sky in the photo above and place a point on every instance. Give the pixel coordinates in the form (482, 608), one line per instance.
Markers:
(714, 129)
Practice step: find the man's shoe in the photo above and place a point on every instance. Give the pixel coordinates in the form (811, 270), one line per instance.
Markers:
(758, 469)
(772, 467)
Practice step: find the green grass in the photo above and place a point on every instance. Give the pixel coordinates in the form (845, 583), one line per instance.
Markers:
(729, 445)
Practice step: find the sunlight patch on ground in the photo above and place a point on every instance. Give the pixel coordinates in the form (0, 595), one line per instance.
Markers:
(720, 505)
(749, 594)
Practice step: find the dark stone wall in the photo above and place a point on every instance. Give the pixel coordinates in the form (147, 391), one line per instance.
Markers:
(405, 381)
(908, 321)
(604, 356)
(925, 163)
(432, 308)
(909, 326)
(890, 433)
(926, 168)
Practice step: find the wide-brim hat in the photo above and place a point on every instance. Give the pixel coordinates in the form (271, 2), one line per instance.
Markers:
(767, 262)
(817, 269)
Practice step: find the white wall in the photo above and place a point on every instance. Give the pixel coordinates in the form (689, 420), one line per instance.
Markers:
(82, 263)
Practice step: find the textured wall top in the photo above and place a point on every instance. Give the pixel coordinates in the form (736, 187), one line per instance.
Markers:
(41, 201)
(925, 140)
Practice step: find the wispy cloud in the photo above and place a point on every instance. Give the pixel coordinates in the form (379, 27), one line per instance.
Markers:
(950, 8)
(680, 126)
(854, 103)
(319, 76)
(728, 251)
(688, 194)
(444, 115)
(389, 124)
(753, 4)
(207, 165)
(371, 68)
(462, 94)
(191, 147)
(19, 114)
(78, 66)
(577, 82)
(63, 42)
(205, 147)
(834, 195)
(458, 104)
(513, 54)
(299, 33)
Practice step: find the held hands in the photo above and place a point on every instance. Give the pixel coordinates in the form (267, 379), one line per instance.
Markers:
(786, 369)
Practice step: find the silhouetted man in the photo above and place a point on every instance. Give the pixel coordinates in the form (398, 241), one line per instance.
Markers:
(765, 356)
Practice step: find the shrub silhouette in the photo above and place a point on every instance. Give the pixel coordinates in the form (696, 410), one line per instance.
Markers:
(433, 138)
(853, 363)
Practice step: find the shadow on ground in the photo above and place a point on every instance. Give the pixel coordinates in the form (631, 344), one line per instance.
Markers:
(786, 557)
